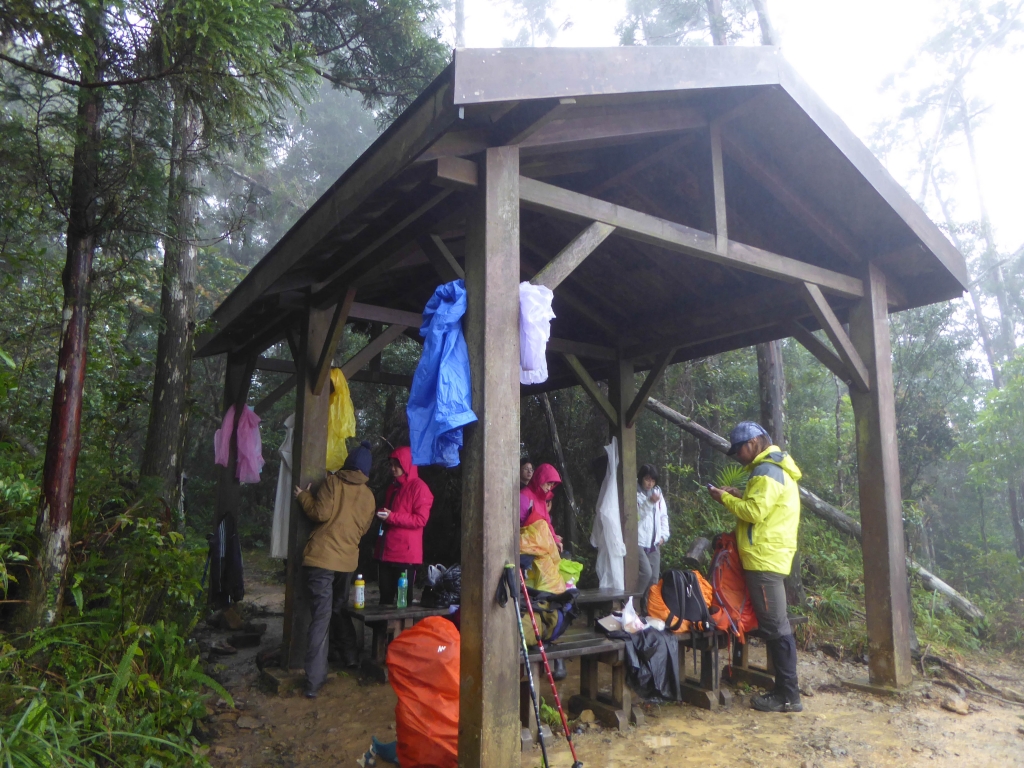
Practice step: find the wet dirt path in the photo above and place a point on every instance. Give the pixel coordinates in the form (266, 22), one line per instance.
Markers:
(838, 728)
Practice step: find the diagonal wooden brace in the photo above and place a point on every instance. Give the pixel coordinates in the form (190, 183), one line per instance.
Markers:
(820, 350)
(834, 330)
(319, 375)
(570, 257)
(371, 350)
(645, 390)
(591, 388)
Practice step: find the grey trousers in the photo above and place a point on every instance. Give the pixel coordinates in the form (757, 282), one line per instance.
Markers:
(768, 595)
(328, 603)
(650, 567)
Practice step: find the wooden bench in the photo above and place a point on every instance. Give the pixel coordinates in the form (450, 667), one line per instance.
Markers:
(742, 671)
(616, 710)
(603, 601)
(387, 622)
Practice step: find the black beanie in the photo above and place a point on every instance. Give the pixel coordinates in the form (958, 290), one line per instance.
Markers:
(360, 459)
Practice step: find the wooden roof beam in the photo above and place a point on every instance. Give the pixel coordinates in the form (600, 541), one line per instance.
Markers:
(591, 388)
(667, 234)
(834, 330)
(765, 173)
(526, 118)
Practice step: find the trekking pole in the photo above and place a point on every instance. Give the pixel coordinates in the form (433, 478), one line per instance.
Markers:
(547, 668)
(514, 592)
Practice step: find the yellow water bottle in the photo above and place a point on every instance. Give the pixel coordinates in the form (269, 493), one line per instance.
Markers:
(360, 592)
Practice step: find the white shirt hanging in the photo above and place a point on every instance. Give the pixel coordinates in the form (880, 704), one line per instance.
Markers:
(283, 499)
(535, 316)
(607, 533)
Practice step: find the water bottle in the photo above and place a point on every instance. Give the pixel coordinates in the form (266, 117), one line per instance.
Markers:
(360, 592)
(403, 590)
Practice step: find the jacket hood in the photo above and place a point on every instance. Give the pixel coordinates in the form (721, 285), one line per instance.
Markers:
(545, 473)
(403, 455)
(775, 455)
(352, 476)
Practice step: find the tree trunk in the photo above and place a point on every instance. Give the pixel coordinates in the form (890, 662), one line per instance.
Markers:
(168, 413)
(1018, 526)
(768, 34)
(570, 527)
(771, 380)
(460, 23)
(53, 524)
(716, 22)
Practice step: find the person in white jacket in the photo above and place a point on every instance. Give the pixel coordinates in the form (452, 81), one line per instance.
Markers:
(652, 524)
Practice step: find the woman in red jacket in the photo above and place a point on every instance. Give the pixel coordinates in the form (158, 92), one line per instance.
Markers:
(406, 510)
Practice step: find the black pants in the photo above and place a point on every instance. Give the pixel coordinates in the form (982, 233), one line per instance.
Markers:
(328, 603)
(388, 576)
(768, 596)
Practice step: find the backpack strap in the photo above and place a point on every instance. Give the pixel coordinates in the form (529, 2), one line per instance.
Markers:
(673, 593)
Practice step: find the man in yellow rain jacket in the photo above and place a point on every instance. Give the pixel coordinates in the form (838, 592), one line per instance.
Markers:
(767, 520)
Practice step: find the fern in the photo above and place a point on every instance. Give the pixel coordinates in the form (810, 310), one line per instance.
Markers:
(203, 679)
(732, 475)
(123, 671)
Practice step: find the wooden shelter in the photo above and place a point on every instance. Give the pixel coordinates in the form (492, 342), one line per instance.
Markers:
(681, 202)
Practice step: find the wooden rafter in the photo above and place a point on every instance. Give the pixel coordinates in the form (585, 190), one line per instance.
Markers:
(591, 388)
(582, 349)
(718, 183)
(318, 376)
(526, 118)
(834, 330)
(570, 257)
(649, 383)
(441, 258)
(677, 237)
(372, 349)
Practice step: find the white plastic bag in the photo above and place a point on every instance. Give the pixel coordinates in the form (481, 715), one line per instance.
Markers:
(535, 316)
(630, 621)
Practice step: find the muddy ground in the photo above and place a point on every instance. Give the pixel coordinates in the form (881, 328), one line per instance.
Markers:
(838, 727)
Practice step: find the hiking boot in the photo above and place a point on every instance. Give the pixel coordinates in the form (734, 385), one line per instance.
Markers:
(777, 701)
(311, 693)
(558, 670)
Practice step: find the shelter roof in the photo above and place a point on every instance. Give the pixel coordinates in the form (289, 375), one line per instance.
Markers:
(631, 128)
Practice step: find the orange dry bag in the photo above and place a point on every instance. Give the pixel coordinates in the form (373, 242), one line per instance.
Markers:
(423, 667)
(736, 614)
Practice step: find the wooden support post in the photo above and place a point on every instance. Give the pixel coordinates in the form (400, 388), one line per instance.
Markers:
(489, 723)
(881, 505)
(309, 465)
(620, 392)
(321, 366)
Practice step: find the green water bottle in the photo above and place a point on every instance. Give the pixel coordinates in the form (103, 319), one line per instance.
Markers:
(403, 590)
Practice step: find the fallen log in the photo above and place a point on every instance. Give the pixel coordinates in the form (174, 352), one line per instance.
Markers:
(825, 511)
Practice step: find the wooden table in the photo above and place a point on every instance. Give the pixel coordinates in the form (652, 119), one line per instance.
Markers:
(603, 601)
(387, 622)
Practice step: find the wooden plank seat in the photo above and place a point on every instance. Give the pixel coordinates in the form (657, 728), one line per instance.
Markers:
(616, 710)
(742, 671)
(387, 622)
(603, 601)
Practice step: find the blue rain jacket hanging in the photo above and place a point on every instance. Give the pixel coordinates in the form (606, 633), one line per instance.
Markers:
(440, 401)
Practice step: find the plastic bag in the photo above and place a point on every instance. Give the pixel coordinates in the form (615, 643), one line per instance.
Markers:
(607, 533)
(535, 318)
(341, 421)
(570, 570)
(423, 667)
(536, 540)
(630, 621)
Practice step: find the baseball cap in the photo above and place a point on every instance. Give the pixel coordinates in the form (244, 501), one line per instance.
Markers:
(744, 431)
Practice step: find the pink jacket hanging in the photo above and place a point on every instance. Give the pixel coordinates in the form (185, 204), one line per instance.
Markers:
(249, 463)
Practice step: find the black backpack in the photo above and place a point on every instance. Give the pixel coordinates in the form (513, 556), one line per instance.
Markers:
(681, 593)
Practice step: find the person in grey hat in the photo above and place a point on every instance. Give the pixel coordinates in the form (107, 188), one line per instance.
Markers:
(767, 521)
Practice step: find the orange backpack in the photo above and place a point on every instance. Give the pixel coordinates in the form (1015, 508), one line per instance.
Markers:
(423, 667)
(657, 608)
(736, 614)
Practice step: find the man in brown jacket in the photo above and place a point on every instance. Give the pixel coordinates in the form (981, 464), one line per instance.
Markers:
(343, 509)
